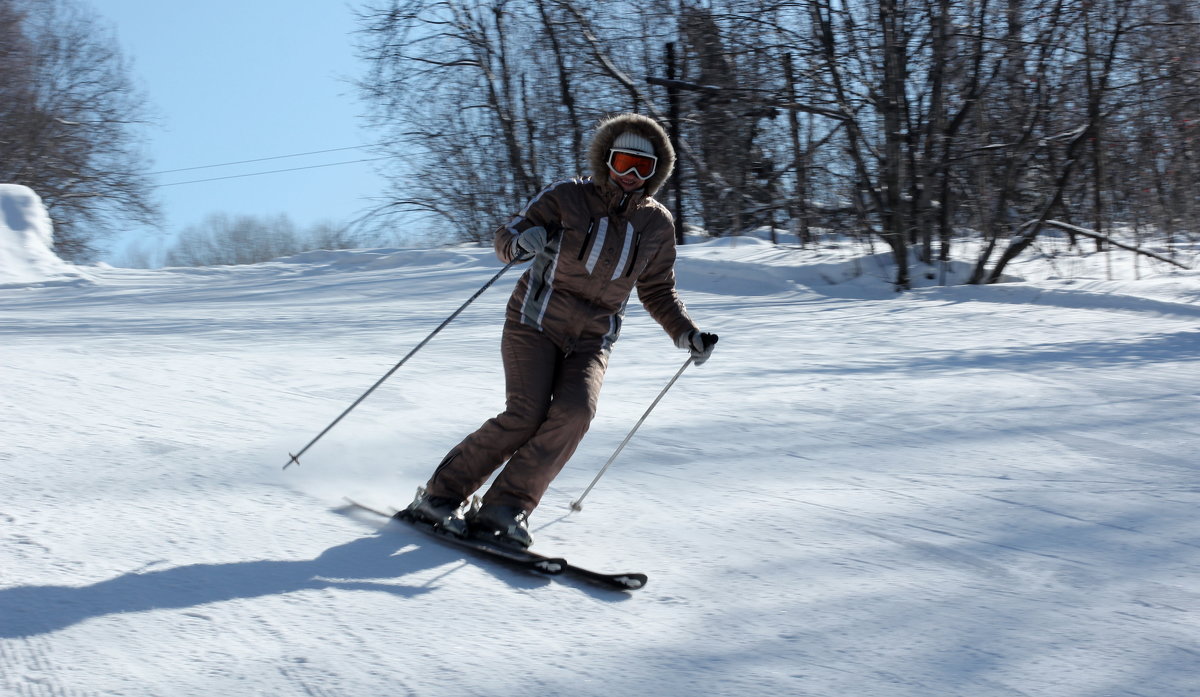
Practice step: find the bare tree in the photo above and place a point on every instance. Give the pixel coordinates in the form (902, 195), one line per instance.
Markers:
(1091, 95)
(460, 88)
(69, 120)
(906, 121)
(223, 239)
(1154, 144)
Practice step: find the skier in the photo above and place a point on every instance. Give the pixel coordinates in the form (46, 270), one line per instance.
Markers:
(592, 240)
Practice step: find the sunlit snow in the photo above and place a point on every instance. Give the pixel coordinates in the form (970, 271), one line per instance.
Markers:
(954, 491)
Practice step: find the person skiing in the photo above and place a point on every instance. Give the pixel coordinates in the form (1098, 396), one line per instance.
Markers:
(592, 240)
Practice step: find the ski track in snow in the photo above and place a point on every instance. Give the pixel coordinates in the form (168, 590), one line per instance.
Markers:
(975, 491)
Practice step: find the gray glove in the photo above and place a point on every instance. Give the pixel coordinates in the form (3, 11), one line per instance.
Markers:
(526, 245)
(699, 343)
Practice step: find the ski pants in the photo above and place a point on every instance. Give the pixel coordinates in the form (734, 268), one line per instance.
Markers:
(551, 397)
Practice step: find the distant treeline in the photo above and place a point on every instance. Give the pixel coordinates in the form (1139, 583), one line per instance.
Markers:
(907, 121)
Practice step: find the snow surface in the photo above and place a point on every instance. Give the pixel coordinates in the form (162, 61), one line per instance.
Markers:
(975, 491)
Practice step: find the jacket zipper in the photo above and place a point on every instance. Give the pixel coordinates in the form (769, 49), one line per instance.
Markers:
(637, 244)
(586, 239)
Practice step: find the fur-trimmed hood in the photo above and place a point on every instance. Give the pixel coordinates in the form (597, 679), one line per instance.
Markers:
(607, 132)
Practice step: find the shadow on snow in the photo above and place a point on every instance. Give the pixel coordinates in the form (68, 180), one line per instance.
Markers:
(370, 563)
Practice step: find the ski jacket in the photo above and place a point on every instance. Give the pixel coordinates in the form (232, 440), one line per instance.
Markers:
(602, 244)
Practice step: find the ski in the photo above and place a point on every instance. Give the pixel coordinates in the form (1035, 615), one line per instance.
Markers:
(526, 559)
(534, 562)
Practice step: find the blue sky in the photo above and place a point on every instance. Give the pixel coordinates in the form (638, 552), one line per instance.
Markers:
(235, 80)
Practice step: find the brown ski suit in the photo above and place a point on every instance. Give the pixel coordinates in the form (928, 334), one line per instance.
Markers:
(564, 316)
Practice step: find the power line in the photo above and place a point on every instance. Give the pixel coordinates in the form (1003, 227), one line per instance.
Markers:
(276, 171)
(264, 159)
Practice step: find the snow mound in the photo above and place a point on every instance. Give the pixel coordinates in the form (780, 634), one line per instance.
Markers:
(26, 238)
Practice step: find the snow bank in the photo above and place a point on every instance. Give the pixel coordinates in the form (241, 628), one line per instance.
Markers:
(26, 238)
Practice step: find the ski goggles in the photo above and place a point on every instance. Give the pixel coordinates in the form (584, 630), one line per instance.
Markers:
(622, 162)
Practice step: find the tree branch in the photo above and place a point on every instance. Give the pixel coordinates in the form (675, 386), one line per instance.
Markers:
(1075, 229)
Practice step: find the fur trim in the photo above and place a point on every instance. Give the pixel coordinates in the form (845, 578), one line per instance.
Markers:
(607, 132)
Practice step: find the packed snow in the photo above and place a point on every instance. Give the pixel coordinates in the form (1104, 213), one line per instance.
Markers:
(958, 490)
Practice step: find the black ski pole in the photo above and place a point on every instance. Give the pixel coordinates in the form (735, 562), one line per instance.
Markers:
(295, 459)
(577, 504)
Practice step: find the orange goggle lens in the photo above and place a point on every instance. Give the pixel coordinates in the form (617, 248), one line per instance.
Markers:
(622, 162)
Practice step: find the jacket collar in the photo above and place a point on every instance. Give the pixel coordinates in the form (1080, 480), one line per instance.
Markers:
(616, 200)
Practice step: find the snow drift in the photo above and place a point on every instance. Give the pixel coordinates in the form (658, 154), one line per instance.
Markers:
(27, 239)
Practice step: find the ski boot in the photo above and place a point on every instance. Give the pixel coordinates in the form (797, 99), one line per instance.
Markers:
(503, 525)
(443, 513)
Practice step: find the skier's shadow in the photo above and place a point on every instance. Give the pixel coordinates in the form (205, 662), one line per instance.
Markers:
(365, 564)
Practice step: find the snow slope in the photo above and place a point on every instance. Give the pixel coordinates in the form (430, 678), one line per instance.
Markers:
(975, 491)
